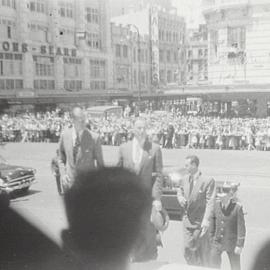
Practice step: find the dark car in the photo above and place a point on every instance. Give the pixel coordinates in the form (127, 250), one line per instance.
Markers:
(169, 194)
(15, 178)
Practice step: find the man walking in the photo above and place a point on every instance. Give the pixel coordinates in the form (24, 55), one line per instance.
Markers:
(197, 197)
(145, 159)
(79, 149)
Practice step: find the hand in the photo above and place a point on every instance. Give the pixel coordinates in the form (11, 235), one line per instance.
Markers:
(204, 228)
(65, 181)
(181, 199)
(238, 250)
(157, 204)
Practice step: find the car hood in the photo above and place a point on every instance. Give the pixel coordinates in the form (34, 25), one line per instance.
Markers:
(9, 172)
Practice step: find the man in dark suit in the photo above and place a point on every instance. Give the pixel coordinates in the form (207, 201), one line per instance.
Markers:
(79, 149)
(197, 197)
(227, 227)
(144, 158)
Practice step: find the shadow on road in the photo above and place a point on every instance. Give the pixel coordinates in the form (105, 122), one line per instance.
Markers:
(22, 195)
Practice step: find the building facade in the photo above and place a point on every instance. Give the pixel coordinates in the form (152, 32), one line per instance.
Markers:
(131, 59)
(196, 55)
(156, 45)
(52, 48)
(238, 49)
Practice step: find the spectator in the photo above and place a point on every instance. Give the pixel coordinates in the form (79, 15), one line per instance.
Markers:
(106, 210)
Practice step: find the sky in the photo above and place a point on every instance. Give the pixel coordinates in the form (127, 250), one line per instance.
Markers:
(191, 10)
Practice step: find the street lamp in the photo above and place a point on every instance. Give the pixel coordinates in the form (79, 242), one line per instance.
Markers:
(139, 59)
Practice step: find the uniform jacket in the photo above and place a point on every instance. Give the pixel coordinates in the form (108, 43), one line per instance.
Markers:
(151, 162)
(200, 203)
(227, 227)
(89, 154)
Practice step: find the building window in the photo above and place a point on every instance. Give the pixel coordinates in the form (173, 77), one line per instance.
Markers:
(237, 37)
(98, 74)
(97, 69)
(66, 9)
(9, 3)
(44, 84)
(92, 15)
(200, 53)
(135, 77)
(9, 31)
(72, 67)
(38, 6)
(11, 65)
(134, 55)
(11, 84)
(169, 76)
(93, 40)
(214, 43)
(161, 58)
(117, 50)
(175, 57)
(125, 51)
(146, 56)
(73, 85)
(189, 53)
(168, 56)
(44, 66)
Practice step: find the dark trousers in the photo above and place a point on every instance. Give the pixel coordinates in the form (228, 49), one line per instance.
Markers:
(59, 184)
(196, 247)
(215, 258)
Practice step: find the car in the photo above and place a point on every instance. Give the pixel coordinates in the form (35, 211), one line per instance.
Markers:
(15, 178)
(172, 180)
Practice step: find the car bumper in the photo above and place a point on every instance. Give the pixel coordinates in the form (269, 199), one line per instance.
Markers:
(18, 183)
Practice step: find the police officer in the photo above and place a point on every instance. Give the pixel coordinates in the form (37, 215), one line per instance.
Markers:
(227, 227)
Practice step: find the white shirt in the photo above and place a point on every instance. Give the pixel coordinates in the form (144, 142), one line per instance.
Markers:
(74, 136)
(137, 152)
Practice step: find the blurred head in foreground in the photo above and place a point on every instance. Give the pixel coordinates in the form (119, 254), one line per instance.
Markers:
(105, 209)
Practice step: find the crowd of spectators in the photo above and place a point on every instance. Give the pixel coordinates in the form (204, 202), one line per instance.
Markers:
(169, 129)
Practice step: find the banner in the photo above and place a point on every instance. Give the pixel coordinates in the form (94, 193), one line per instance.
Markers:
(154, 44)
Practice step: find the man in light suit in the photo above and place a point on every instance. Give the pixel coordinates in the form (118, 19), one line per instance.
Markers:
(144, 158)
(197, 197)
(79, 149)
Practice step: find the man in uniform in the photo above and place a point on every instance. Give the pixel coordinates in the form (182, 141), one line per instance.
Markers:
(79, 149)
(197, 197)
(227, 227)
(144, 158)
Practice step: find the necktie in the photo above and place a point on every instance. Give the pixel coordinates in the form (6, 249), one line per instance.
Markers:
(191, 184)
(76, 147)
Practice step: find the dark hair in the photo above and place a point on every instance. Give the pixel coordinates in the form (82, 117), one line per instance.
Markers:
(106, 209)
(194, 159)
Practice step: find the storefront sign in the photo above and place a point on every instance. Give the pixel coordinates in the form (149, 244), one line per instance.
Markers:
(13, 47)
(154, 44)
(51, 50)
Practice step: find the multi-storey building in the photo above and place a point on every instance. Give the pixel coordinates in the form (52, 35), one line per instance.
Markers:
(196, 56)
(50, 49)
(131, 59)
(238, 46)
(157, 46)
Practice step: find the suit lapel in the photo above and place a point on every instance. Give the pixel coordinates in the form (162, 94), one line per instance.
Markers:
(69, 141)
(196, 188)
(146, 152)
(186, 187)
